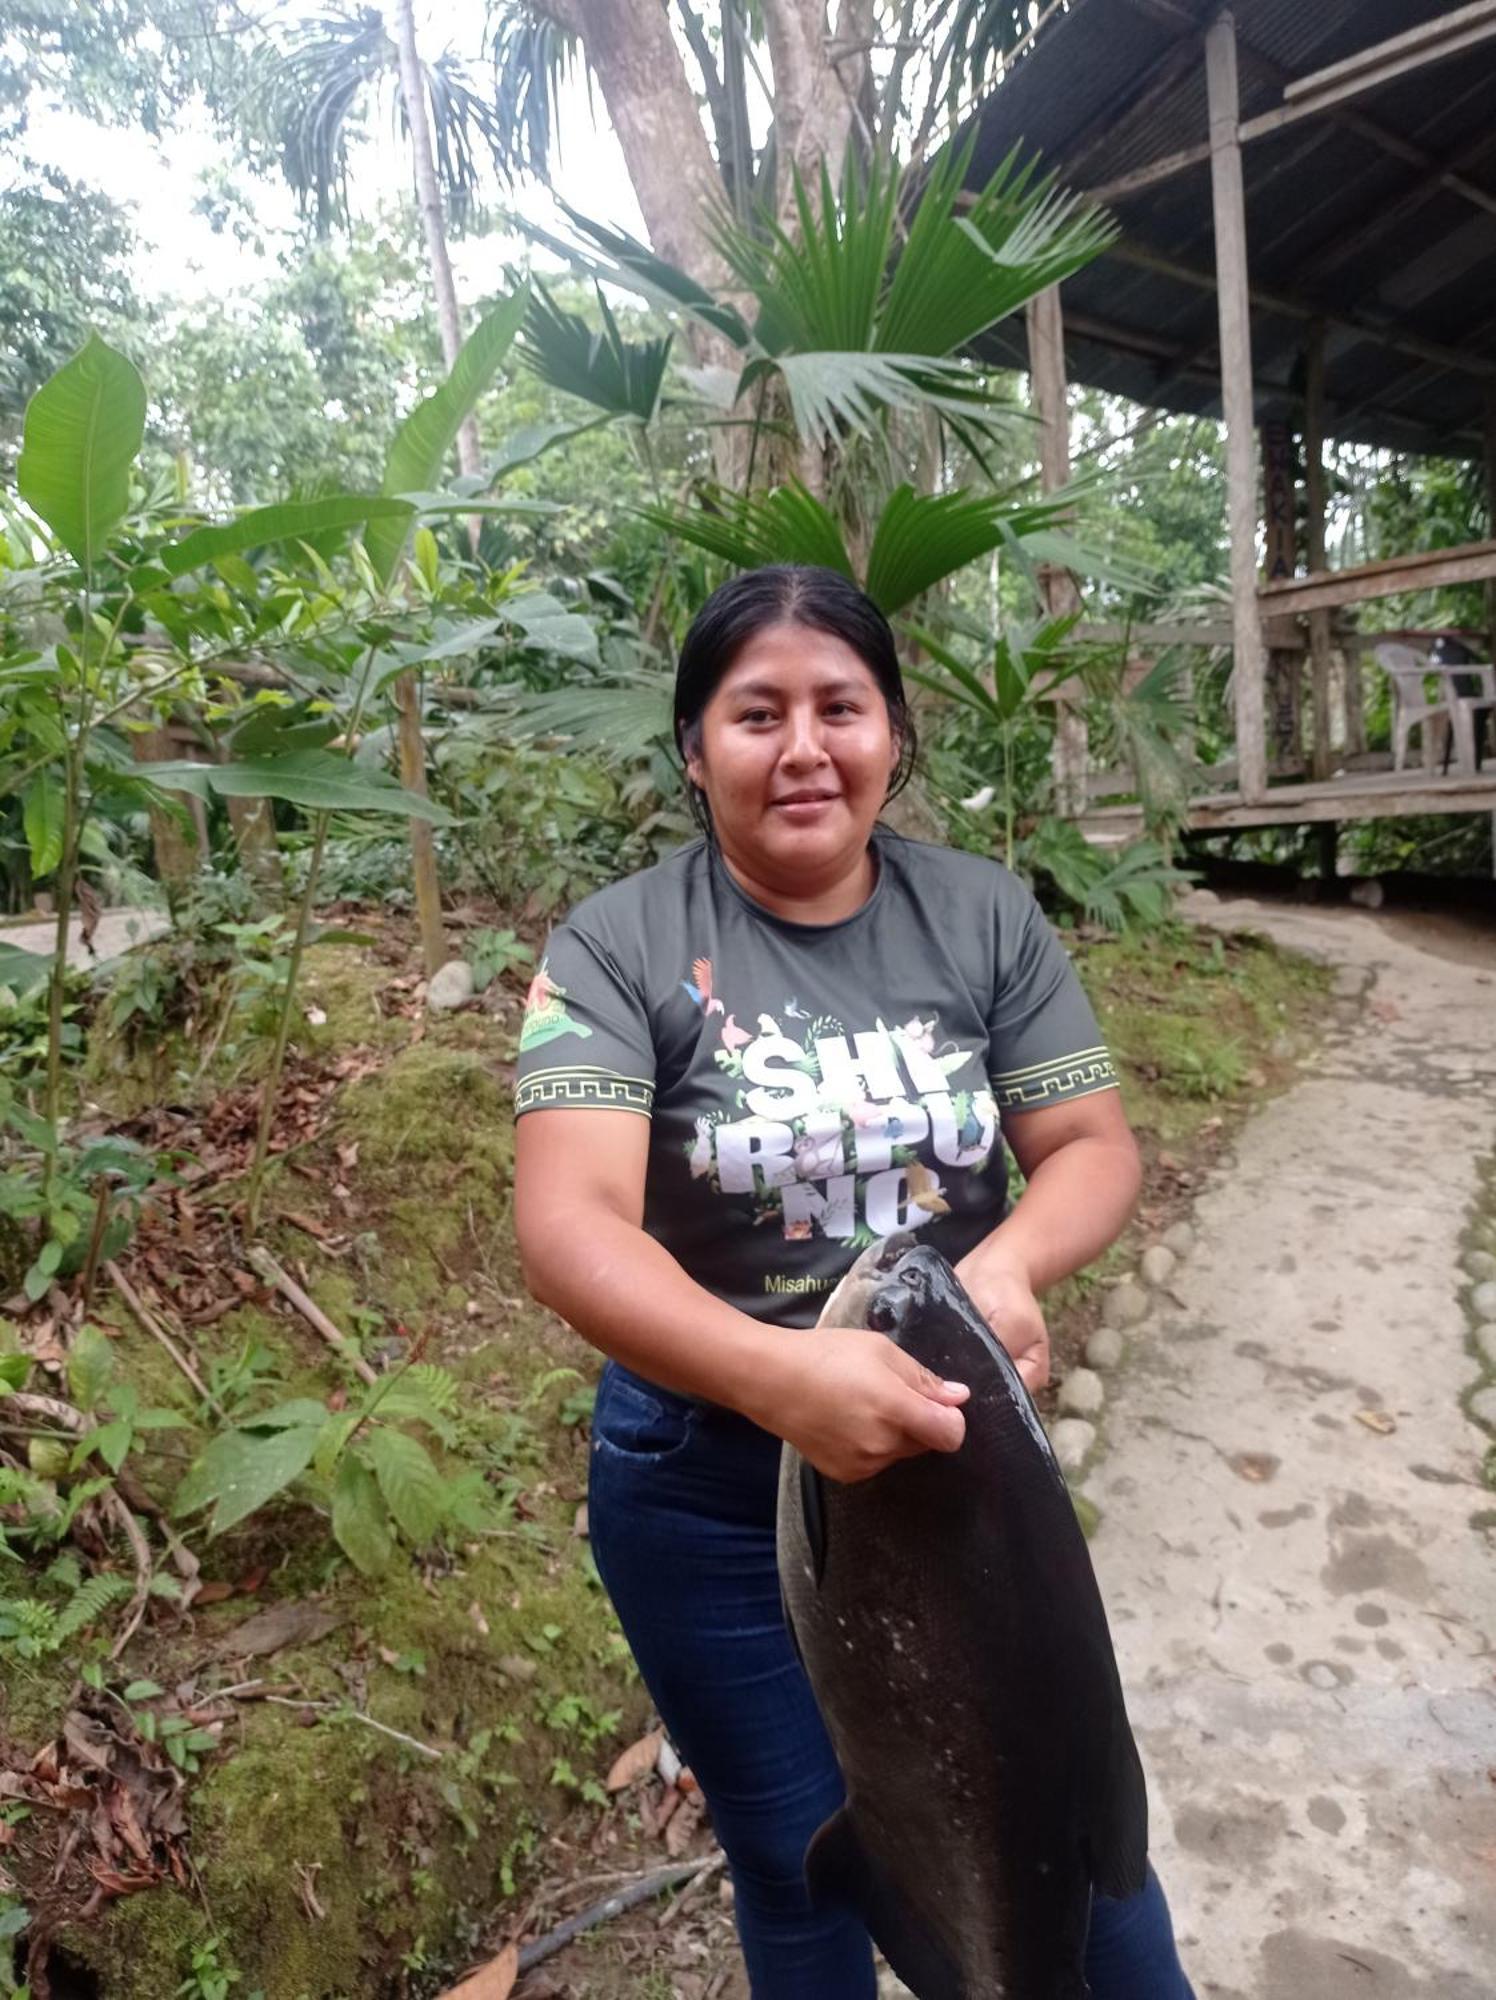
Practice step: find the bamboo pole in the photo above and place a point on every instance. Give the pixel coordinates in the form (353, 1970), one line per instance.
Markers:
(1236, 399)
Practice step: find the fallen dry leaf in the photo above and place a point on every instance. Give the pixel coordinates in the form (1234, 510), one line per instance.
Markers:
(683, 1826)
(1378, 1421)
(494, 1981)
(294, 1623)
(636, 1762)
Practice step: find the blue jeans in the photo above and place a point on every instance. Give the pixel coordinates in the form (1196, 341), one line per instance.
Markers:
(681, 1514)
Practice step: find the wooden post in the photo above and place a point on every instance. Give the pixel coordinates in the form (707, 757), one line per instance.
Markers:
(1283, 701)
(1491, 523)
(178, 855)
(422, 845)
(1322, 756)
(1046, 344)
(1236, 399)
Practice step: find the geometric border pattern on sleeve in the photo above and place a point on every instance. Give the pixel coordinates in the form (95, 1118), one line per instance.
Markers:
(1061, 1076)
(585, 1087)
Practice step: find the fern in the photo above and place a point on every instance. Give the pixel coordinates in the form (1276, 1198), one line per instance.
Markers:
(89, 1603)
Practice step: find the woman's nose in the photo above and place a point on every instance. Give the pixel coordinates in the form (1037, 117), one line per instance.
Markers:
(804, 745)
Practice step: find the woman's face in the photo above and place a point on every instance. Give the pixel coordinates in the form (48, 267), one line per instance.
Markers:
(795, 753)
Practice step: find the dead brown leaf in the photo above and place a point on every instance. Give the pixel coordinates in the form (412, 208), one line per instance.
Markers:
(683, 1826)
(636, 1762)
(294, 1623)
(1378, 1421)
(494, 1981)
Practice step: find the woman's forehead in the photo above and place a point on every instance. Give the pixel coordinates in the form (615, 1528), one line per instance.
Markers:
(783, 657)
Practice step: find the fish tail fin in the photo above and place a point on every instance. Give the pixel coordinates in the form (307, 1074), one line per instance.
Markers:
(841, 1874)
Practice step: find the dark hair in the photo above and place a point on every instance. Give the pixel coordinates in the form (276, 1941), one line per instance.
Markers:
(786, 594)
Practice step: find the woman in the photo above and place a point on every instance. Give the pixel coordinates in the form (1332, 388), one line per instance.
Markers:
(816, 1026)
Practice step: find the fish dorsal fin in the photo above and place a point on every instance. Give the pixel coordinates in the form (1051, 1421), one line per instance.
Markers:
(840, 1874)
(813, 1511)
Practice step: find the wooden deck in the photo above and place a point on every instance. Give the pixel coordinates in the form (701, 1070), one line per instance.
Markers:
(1353, 795)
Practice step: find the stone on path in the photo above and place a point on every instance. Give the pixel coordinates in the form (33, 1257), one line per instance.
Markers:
(1480, 1264)
(1157, 1264)
(1124, 1304)
(1485, 1340)
(1081, 1393)
(1483, 1299)
(1073, 1440)
(1180, 1238)
(1483, 1405)
(1104, 1348)
(450, 988)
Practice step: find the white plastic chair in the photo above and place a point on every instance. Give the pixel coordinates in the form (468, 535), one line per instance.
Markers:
(1411, 708)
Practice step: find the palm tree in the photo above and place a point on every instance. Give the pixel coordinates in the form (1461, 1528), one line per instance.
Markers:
(313, 91)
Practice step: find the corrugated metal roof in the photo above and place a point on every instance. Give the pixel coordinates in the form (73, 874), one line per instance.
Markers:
(1350, 215)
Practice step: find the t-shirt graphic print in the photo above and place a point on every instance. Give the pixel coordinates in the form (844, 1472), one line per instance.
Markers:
(811, 1088)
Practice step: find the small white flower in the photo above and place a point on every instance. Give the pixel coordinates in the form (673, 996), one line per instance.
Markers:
(979, 801)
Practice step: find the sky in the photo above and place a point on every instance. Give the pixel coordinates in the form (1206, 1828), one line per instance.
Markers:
(177, 254)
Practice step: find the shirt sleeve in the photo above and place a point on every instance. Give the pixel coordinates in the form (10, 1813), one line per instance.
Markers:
(586, 1039)
(1044, 1045)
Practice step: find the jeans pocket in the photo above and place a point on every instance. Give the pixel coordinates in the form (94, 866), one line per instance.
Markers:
(639, 1421)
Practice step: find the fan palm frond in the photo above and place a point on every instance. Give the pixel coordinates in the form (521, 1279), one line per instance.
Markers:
(623, 377)
(922, 538)
(785, 525)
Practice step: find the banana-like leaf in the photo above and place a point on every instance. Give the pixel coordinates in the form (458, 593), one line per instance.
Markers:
(621, 377)
(422, 442)
(83, 432)
(548, 625)
(786, 525)
(922, 538)
(43, 814)
(317, 779)
(287, 521)
(523, 447)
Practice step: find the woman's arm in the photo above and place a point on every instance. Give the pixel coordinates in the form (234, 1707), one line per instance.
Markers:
(1083, 1174)
(847, 1398)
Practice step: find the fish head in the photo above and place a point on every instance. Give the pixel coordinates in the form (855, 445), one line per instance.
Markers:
(917, 1300)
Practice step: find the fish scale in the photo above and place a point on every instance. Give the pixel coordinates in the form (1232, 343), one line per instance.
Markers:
(950, 1623)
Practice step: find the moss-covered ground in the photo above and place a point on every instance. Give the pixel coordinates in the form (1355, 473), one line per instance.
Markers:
(383, 1799)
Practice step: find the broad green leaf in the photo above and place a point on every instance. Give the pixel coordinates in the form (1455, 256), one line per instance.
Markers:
(546, 623)
(422, 442)
(409, 1482)
(83, 432)
(291, 520)
(43, 809)
(287, 1416)
(143, 1691)
(360, 1518)
(90, 1367)
(110, 1441)
(22, 971)
(239, 1472)
(317, 779)
(14, 1368)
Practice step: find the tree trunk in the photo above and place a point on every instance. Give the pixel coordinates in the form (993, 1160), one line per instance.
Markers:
(818, 81)
(407, 694)
(429, 201)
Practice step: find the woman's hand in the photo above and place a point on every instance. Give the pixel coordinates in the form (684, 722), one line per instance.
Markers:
(1000, 1289)
(852, 1403)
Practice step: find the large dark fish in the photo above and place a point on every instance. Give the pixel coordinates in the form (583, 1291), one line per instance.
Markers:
(948, 1617)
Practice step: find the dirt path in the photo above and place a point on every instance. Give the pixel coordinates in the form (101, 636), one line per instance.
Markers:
(1302, 1607)
(117, 931)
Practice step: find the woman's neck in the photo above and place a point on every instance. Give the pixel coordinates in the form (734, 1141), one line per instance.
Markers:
(838, 895)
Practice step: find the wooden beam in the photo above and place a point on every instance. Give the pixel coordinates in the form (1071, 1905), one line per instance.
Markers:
(1453, 359)
(1400, 55)
(1046, 341)
(1474, 562)
(1304, 805)
(1249, 665)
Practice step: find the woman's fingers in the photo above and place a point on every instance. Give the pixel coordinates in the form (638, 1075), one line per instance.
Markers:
(931, 1415)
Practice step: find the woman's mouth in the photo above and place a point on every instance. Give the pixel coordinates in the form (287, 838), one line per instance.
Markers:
(798, 806)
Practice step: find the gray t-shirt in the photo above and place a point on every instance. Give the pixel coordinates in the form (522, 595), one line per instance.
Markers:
(811, 1087)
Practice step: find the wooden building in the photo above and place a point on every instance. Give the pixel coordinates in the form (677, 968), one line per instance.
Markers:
(1306, 191)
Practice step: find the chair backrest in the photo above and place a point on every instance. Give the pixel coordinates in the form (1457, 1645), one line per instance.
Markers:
(1407, 669)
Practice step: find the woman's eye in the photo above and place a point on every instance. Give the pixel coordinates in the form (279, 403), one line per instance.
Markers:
(758, 715)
